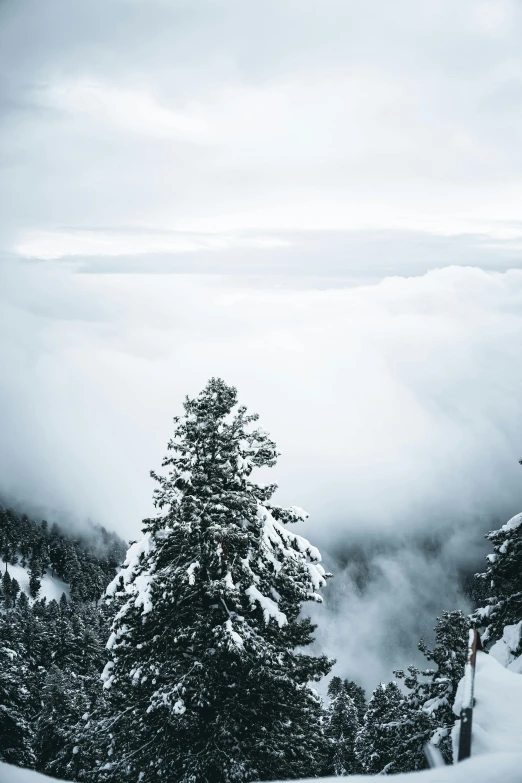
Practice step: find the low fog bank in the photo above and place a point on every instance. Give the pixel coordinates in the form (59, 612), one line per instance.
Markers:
(386, 594)
(396, 407)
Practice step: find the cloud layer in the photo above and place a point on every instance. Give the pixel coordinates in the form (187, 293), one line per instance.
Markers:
(318, 203)
(225, 116)
(396, 407)
(385, 392)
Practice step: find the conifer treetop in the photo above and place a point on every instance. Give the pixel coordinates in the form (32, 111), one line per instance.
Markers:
(214, 448)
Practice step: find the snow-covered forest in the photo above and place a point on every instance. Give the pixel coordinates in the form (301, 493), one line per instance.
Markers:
(185, 658)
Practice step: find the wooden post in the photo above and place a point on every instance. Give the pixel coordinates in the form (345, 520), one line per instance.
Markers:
(466, 712)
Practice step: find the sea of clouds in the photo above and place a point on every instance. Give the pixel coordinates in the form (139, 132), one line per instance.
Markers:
(396, 406)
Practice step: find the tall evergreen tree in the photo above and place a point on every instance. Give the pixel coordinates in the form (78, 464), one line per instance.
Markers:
(8, 536)
(342, 724)
(62, 703)
(15, 727)
(7, 596)
(35, 576)
(359, 698)
(65, 641)
(14, 589)
(432, 691)
(381, 734)
(207, 680)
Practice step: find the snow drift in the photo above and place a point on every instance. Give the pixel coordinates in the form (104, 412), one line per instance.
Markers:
(497, 715)
(497, 766)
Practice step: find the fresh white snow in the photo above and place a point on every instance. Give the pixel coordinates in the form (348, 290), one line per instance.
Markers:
(235, 637)
(137, 586)
(277, 537)
(513, 523)
(501, 767)
(466, 684)
(269, 607)
(497, 715)
(190, 572)
(132, 560)
(504, 649)
(51, 587)
(299, 512)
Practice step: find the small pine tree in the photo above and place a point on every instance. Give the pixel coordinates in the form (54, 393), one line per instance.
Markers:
(342, 724)
(35, 577)
(65, 642)
(9, 590)
(6, 590)
(380, 736)
(74, 574)
(8, 536)
(335, 687)
(207, 680)
(15, 589)
(432, 691)
(359, 698)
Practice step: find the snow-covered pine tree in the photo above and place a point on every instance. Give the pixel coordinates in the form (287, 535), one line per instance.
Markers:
(342, 724)
(378, 740)
(8, 536)
(35, 576)
(6, 590)
(359, 698)
(62, 703)
(9, 590)
(15, 729)
(432, 691)
(503, 584)
(335, 686)
(208, 682)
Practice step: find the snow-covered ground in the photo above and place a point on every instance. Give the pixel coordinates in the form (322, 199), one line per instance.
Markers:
(9, 774)
(505, 649)
(51, 587)
(497, 715)
(501, 767)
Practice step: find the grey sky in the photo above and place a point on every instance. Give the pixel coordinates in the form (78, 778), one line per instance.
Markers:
(318, 201)
(234, 116)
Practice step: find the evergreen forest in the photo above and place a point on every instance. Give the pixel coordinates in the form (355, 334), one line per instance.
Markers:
(184, 656)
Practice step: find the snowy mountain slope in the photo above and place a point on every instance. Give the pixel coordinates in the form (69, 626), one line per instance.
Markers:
(51, 587)
(503, 767)
(497, 715)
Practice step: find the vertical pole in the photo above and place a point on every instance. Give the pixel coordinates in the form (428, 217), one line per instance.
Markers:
(466, 712)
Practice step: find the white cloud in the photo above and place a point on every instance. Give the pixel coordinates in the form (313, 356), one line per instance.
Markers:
(50, 245)
(135, 111)
(379, 395)
(183, 118)
(492, 17)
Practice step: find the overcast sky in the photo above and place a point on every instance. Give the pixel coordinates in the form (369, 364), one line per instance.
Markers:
(318, 201)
